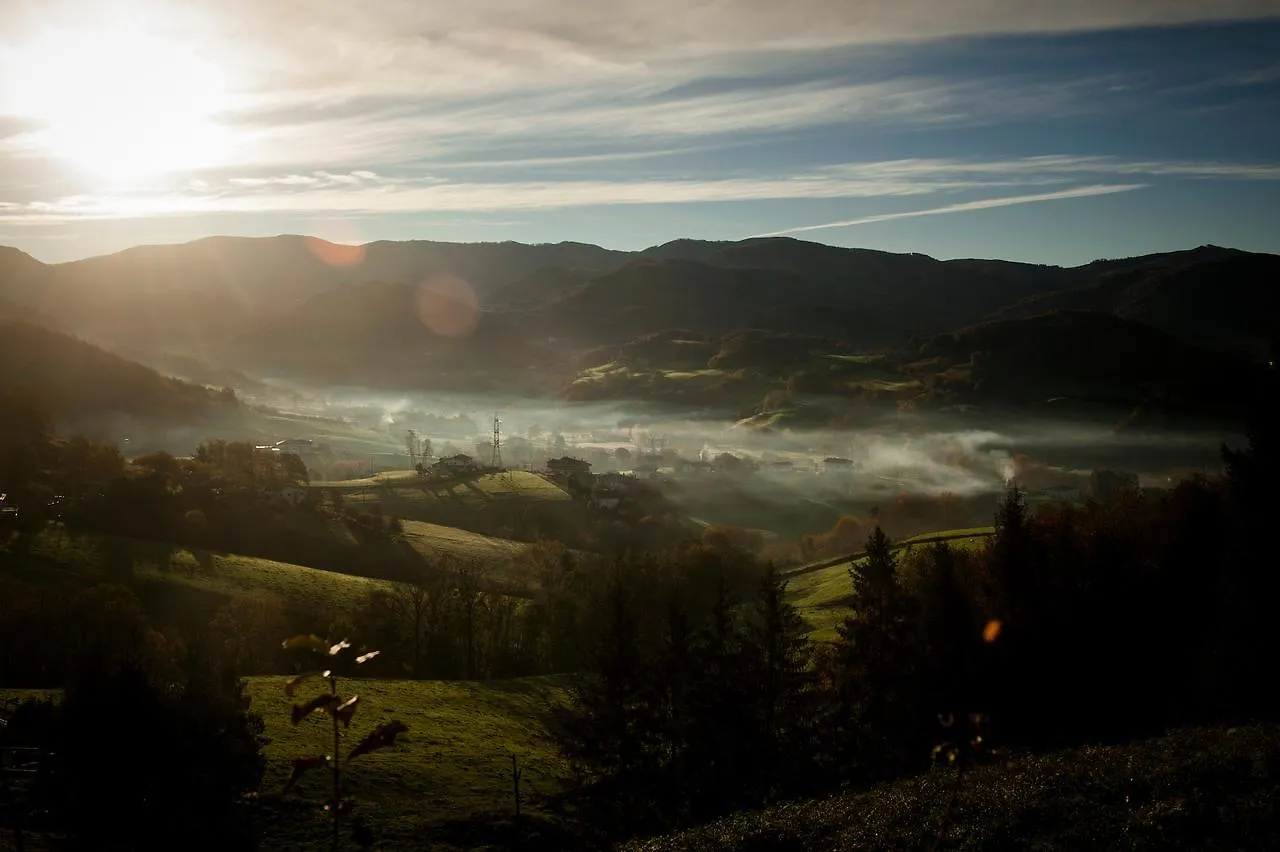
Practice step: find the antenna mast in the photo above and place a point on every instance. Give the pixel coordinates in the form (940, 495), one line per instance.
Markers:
(496, 460)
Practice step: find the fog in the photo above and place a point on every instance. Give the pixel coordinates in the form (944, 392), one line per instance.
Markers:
(926, 453)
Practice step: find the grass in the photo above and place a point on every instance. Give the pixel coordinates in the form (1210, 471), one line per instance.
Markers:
(453, 766)
(436, 540)
(406, 486)
(311, 589)
(1205, 788)
(228, 575)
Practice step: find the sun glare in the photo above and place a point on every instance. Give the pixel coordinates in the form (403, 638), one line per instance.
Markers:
(119, 104)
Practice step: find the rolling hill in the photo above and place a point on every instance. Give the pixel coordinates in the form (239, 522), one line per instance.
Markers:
(1220, 298)
(1085, 356)
(80, 382)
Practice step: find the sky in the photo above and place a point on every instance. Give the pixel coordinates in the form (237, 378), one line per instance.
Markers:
(1032, 130)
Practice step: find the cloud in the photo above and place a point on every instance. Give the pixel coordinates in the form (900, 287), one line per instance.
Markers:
(412, 46)
(364, 192)
(966, 206)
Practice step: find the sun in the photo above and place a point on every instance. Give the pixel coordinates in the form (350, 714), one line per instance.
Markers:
(119, 104)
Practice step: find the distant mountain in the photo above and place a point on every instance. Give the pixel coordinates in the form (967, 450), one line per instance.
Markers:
(200, 294)
(391, 335)
(910, 291)
(1219, 298)
(652, 295)
(538, 288)
(81, 383)
(298, 305)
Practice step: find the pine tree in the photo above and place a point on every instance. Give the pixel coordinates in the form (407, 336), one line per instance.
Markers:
(949, 635)
(782, 654)
(876, 665)
(606, 733)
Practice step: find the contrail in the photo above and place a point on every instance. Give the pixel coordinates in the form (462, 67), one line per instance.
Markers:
(984, 204)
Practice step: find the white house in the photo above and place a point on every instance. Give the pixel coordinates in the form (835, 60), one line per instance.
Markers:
(455, 464)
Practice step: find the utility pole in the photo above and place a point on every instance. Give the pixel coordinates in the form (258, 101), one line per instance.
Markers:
(495, 461)
(411, 442)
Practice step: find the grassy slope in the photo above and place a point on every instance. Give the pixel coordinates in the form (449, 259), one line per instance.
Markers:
(231, 575)
(408, 485)
(454, 764)
(820, 591)
(1193, 789)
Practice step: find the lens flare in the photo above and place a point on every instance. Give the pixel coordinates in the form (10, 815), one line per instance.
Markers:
(336, 254)
(447, 305)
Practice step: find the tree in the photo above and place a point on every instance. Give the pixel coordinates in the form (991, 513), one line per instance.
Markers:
(876, 667)
(157, 745)
(777, 637)
(950, 634)
(603, 733)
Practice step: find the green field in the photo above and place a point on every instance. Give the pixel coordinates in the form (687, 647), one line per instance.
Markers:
(454, 764)
(228, 575)
(405, 487)
(448, 778)
(434, 540)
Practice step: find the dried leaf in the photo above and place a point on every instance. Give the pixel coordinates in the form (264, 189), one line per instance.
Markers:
(346, 710)
(301, 766)
(364, 658)
(305, 642)
(380, 737)
(324, 701)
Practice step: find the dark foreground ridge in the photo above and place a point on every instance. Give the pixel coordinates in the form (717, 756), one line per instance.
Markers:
(1202, 788)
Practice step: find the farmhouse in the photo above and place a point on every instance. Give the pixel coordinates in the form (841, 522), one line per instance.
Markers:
(460, 463)
(568, 467)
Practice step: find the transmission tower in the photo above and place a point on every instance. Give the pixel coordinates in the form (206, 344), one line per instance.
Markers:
(496, 461)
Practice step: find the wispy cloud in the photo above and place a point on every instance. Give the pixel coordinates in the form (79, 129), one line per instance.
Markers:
(364, 192)
(965, 207)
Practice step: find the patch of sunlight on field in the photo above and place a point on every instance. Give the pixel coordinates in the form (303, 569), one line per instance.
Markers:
(237, 576)
(955, 538)
(692, 374)
(389, 477)
(436, 540)
(866, 358)
(889, 386)
(226, 574)
(520, 483)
